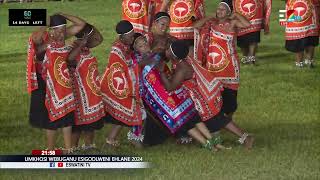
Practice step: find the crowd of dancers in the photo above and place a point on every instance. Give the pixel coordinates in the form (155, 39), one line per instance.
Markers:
(172, 71)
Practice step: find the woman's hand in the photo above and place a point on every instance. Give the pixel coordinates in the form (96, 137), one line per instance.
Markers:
(81, 42)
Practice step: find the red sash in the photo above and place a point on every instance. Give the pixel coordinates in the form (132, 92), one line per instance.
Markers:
(215, 51)
(87, 90)
(120, 86)
(181, 13)
(33, 66)
(256, 11)
(59, 96)
(136, 11)
(308, 26)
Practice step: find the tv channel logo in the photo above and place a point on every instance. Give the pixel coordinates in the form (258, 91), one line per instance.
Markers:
(27, 17)
(291, 17)
(286, 16)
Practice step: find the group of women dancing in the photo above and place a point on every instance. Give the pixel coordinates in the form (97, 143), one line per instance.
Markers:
(172, 72)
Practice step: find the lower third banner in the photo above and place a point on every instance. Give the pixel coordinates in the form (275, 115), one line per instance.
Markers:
(71, 162)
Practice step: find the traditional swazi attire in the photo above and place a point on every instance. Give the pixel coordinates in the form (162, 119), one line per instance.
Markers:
(86, 81)
(137, 12)
(141, 132)
(120, 86)
(258, 13)
(183, 13)
(53, 103)
(205, 91)
(60, 100)
(303, 31)
(172, 112)
(174, 109)
(38, 116)
(215, 51)
(34, 66)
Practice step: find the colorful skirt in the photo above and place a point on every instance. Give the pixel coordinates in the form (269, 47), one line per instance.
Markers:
(173, 109)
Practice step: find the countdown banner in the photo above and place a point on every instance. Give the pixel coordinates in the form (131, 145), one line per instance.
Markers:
(27, 17)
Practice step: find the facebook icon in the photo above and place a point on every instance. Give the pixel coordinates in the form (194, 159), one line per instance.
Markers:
(52, 164)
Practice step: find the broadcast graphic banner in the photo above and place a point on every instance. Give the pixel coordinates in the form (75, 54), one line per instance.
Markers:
(72, 162)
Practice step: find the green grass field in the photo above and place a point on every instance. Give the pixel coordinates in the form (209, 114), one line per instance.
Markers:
(278, 103)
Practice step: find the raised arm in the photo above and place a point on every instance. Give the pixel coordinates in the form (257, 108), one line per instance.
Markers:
(151, 10)
(77, 45)
(198, 24)
(40, 45)
(239, 21)
(164, 5)
(77, 25)
(95, 38)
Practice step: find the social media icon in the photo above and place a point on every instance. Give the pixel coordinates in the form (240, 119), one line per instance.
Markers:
(52, 164)
(60, 164)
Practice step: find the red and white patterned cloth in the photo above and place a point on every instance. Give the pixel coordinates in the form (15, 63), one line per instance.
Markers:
(120, 86)
(87, 91)
(309, 25)
(59, 94)
(256, 11)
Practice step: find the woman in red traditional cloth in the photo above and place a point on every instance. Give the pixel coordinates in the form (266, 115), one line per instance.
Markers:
(159, 39)
(183, 14)
(170, 110)
(120, 86)
(186, 74)
(302, 32)
(86, 85)
(51, 107)
(216, 50)
(216, 53)
(142, 56)
(258, 13)
(138, 13)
